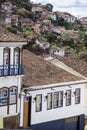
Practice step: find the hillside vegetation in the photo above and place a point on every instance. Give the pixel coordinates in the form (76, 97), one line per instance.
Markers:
(73, 38)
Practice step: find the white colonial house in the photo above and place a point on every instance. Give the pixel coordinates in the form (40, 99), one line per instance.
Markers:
(57, 51)
(43, 44)
(59, 106)
(7, 6)
(11, 73)
(68, 17)
(52, 15)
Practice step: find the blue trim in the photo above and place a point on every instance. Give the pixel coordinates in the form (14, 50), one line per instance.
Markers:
(11, 70)
(81, 122)
(52, 125)
(61, 124)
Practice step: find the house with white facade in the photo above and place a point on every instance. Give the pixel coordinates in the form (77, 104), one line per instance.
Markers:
(57, 51)
(11, 73)
(7, 6)
(43, 44)
(68, 17)
(11, 20)
(37, 9)
(53, 99)
(83, 21)
(52, 15)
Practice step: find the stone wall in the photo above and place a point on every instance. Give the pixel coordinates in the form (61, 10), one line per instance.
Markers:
(11, 122)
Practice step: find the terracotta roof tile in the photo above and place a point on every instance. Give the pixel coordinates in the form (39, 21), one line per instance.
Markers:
(39, 72)
(77, 64)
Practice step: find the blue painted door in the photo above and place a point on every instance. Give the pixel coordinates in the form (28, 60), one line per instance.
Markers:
(72, 123)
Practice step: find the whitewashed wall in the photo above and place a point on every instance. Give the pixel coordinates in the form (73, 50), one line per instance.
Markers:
(11, 46)
(9, 81)
(57, 113)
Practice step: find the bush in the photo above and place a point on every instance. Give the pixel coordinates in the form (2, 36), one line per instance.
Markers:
(12, 29)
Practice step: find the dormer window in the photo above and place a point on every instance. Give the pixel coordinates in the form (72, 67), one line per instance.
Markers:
(16, 56)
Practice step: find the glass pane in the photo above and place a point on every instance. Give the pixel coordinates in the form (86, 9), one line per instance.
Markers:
(60, 99)
(77, 96)
(13, 95)
(55, 103)
(16, 56)
(49, 101)
(38, 103)
(68, 97)
(3, 96)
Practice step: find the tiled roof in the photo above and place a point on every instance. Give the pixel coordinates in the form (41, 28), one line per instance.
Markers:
(77, 64)
(6, 36)
(39, 72)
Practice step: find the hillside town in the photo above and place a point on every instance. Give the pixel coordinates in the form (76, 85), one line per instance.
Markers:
(43, 67)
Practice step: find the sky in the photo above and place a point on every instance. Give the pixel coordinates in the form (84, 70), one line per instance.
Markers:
(77, 8)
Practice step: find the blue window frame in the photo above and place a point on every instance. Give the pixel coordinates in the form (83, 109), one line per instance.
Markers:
(3, 96)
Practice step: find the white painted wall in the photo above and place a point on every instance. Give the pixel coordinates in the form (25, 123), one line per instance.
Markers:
(11, 46)
(57, 113)
(9, 81)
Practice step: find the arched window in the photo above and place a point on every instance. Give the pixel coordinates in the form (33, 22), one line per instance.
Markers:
(3, 96)
(13, 95)
(6, 56)
(16, 56)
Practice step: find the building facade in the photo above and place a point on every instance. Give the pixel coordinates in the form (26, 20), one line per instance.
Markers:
(11, 73)
(57, 106)
(61, 105)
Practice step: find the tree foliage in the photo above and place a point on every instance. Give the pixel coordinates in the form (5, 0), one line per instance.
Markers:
(49, 7)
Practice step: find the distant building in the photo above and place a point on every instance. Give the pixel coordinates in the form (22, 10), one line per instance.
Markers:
(37, 9)
(52, 15)
(7, 6)
(11, 20)
(57, 51)
(43, 44)
(83, 21)
(67, 16)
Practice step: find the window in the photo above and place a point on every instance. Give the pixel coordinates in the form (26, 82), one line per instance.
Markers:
(8, 95)
(68, 97)
(38, 103)
(60, 99)
(49, 101)
(6, 57)
(17, 56)
(4, 96)
(12, 95)
(55, 103)
(77, 96)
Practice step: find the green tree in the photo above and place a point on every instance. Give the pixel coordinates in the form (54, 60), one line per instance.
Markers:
(49, 7)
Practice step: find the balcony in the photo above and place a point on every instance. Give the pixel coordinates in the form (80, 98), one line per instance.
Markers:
(11, 70)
